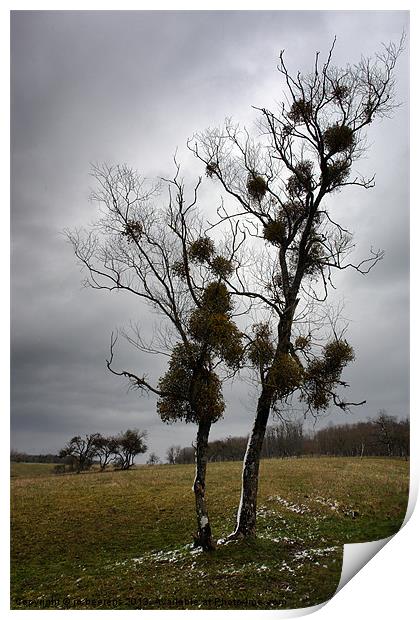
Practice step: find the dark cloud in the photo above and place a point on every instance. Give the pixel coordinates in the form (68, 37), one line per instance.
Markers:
(132, 87)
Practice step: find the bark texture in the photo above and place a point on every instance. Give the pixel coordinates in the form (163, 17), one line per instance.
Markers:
(203, 537)
(247, 512)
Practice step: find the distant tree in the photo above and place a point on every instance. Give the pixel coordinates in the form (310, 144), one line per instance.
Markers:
(282, 183)
(172, 454)
(127, 446)
(106, 449)
(81, 450)
(387, 432)
(153, 459)
(403, 438)
(229, 449)
(17, 457)
(283, 440)
(186, 456)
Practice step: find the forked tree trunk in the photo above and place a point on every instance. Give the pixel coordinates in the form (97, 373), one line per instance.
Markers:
(203, 538)
(247, 511)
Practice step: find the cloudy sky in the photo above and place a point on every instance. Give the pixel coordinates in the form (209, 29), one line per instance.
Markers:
(131, 87)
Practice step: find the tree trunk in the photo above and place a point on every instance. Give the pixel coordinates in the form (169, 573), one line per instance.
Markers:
(203, 537)
(247, 511)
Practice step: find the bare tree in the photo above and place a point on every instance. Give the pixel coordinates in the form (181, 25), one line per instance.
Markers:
(172, 454)
(82, 451)
(128, 445)
(153, 459)
(106, 449)
(163, 256)
(386, 426)
(283, 182)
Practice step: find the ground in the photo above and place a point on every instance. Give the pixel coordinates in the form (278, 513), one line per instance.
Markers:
(122, 540)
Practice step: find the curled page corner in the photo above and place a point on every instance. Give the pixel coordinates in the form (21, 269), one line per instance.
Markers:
(356, 555)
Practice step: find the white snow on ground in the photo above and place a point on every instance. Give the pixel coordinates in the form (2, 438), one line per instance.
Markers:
(311, 554)
(289, 505)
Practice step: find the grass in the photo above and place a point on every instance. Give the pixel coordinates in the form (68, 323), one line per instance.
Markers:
(31, 470)
(122, 540)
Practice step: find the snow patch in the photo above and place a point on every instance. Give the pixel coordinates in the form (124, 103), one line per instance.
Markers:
(289, 505)
(312, 554)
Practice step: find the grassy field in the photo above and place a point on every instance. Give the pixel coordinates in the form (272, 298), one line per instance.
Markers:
(122, 540)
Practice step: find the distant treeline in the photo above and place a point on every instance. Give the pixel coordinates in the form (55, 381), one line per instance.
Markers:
(384, 435)
(23, 457)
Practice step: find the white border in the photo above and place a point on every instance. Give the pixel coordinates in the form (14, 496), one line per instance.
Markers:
(387, 586)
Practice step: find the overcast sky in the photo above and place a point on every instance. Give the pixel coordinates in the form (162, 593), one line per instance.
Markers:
(131, 87)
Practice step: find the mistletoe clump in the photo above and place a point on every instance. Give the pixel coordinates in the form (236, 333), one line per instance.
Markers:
(274, 231)
(212, 326)
(201, 250)
(222, 266)
(216, 299)
(337, 354)
(261, 350)
(338, 138)
(301, 180)
(340, 92)
(323, 374)
(285, 375)
(220, 333)
(294, 209)
(133, 230)
(300, 111)
(256, 186)
(337, 172)
(178, 269)
(211, 169)
(191, 391)
(302, 343)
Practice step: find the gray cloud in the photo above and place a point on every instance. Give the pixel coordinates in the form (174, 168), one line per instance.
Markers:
(131, 87)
